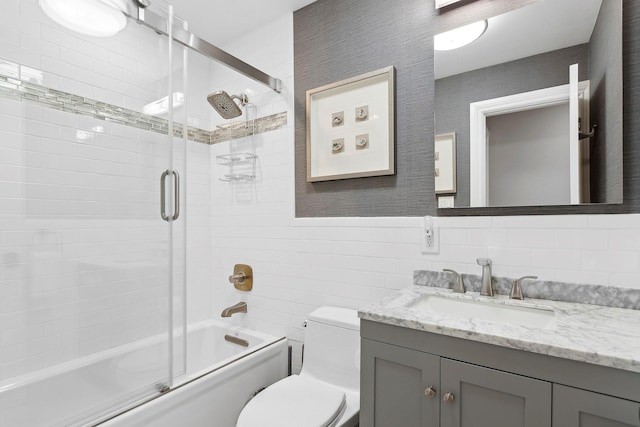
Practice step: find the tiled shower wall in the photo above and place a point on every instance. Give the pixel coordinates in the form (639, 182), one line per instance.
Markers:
(300, 264)
(82, 249)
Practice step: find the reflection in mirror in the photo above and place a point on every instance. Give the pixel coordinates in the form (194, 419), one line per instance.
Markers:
(530, 132)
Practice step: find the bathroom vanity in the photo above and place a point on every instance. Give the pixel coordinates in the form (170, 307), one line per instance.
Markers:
(576, 365)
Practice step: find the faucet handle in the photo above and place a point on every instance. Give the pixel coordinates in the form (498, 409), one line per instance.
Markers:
(516, 289)
(458, 285)
(238, 278)
(483, 261)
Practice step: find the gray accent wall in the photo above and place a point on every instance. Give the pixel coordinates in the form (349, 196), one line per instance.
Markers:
(605, 61)
(337, 39)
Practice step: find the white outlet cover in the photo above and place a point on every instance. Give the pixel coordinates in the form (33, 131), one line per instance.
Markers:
(435, 247)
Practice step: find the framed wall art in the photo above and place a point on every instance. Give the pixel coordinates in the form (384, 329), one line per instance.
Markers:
(350, 128)
(444, 155)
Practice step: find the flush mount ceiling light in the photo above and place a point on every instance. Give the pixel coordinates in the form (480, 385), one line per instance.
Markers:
(99, 18)
(459, 37)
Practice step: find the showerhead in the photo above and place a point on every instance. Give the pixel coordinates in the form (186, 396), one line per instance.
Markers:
(225, 104)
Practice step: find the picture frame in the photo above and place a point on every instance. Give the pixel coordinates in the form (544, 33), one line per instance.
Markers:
(351, 127)
(444, 155)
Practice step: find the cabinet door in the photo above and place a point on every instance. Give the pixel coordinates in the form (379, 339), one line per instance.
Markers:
(573, 407)
(483, 397)
(399, 387)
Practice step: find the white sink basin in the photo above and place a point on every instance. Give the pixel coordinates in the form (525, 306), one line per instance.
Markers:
(494, 311)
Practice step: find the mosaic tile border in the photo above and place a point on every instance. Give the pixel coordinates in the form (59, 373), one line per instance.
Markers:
(243, 129)
(609, 296)
(22, 90)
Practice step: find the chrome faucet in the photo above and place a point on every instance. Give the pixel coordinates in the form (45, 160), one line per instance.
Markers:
(516, 289)
(458, 285)
(486, 289)
(240, 307)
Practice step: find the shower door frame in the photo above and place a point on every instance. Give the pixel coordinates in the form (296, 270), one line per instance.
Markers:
(192, 41)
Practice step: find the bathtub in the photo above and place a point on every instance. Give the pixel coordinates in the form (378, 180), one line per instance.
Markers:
(221, 376)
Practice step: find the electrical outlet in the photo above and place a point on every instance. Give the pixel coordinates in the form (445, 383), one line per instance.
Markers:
(429, 237)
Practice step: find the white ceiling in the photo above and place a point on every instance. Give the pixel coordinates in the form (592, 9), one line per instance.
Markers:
(218, 21)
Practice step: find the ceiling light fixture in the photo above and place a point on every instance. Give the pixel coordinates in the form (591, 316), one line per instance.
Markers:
(98, 18)
(459, 37)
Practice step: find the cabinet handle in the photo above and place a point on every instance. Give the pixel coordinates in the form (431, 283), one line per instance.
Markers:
(430, 391)
(448, 397)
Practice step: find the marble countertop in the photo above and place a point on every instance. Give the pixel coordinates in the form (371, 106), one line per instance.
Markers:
(587, 333)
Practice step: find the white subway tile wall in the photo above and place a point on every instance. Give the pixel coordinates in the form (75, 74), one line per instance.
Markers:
(62, 280)
(300, 264)
(83, 251)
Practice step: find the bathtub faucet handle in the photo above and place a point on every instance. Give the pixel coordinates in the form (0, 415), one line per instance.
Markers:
(242, 277)
(237, 278)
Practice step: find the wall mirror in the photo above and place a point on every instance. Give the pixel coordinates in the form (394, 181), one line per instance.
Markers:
(535, 104)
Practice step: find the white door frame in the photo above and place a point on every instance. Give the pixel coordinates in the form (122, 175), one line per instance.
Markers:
(479, 111)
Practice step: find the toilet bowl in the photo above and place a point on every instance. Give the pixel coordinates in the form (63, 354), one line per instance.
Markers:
(326, 393)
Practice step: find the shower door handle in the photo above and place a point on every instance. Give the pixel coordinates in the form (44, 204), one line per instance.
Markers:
(176, 195)
(163, 212)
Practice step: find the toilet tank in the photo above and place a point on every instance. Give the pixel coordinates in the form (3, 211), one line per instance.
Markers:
(332, 347)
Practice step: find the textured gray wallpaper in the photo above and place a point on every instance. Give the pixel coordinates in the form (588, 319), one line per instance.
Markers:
(338, 39)
(605, 61)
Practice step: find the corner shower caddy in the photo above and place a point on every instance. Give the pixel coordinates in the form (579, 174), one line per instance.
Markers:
(246, 163)
(241, 165)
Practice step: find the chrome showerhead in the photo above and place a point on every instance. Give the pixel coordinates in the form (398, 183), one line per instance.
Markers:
(225, 104)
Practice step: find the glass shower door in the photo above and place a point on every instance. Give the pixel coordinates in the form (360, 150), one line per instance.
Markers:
(86, 258)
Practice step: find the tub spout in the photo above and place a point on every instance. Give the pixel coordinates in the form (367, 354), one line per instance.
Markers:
(240, 307)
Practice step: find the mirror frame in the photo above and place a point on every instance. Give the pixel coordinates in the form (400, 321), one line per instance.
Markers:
(630, 107)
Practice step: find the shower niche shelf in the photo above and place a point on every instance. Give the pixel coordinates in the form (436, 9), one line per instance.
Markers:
(236, 159)
(241, 166)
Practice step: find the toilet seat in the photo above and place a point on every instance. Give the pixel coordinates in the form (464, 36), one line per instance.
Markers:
(296, 401)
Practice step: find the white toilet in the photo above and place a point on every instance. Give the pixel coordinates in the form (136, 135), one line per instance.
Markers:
(327, 391)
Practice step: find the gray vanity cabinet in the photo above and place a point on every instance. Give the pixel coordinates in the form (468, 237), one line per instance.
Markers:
(409, 388)
(573, 407)
(413, 378)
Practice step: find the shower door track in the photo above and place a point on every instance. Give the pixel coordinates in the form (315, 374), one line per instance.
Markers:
(192, 41)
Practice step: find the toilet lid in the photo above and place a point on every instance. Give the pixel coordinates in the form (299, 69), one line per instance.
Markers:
(294, 402)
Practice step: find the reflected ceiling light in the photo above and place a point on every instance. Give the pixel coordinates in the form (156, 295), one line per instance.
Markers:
(99, 18)
(459, 37)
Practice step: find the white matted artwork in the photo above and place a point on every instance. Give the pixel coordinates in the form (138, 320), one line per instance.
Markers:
(444, 155)
(359, 113)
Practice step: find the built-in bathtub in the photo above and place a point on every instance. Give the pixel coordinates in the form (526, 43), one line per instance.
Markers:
(221, 376)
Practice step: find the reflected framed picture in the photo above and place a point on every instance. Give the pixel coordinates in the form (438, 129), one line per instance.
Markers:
(350, 128)
(444, 155)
